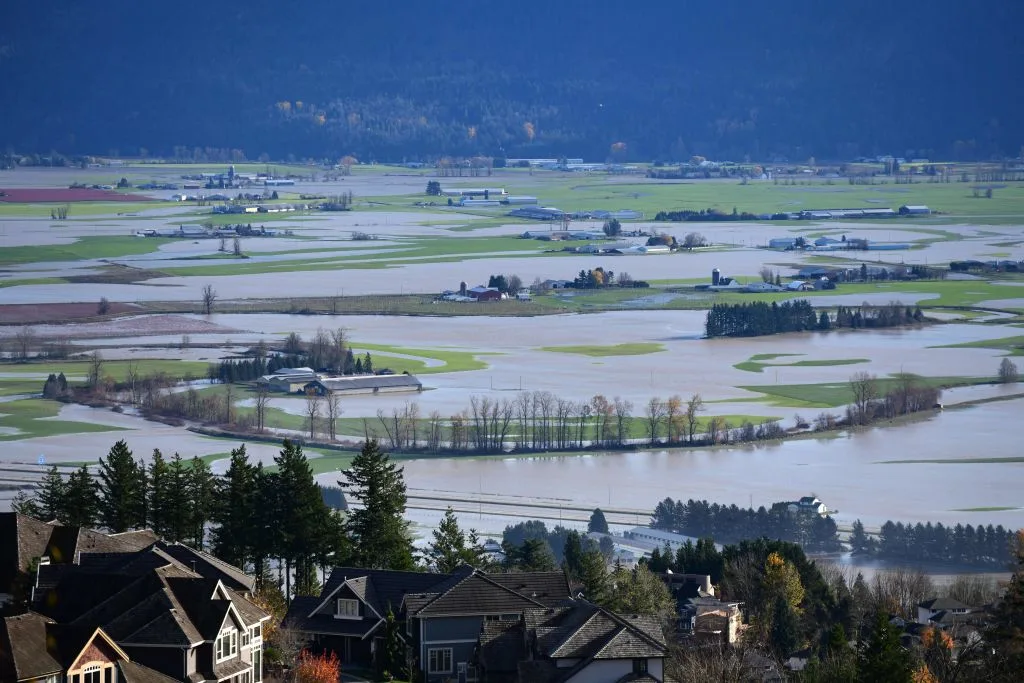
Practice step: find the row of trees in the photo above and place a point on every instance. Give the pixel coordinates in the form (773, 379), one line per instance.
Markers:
(252, 516)
(756, 318)
(980, 546)
(729, 523)
(705, 215)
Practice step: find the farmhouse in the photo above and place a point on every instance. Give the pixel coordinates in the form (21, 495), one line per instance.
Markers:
(363, 384)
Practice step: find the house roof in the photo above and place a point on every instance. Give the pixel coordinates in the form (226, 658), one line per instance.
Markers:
(547, 588)
(23, 652)
(936, 604)
(368, 382)
(502, 646)
(476, 594)
(131, 672)
(209, 566)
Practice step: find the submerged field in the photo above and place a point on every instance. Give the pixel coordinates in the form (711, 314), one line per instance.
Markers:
(628, 344)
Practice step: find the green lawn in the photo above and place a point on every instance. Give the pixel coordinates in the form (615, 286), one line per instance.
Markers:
(1015, 345)
(597, 351)
(84, 248)
(454, 361)
(836, 394)
(756, 364)
(27, 416)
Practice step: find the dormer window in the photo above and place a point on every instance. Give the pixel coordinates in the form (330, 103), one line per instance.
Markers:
(226, 646)
(347, 609)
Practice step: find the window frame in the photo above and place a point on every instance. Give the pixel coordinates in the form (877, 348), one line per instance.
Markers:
(349, 602)
(227, 642)
(640, 665)
(435, 658)
(257, 665)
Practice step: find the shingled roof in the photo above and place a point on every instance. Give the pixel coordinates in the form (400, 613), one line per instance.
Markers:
(23, 652)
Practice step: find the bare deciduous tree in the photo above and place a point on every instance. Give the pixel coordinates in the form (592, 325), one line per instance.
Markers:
(132, 379)
(237, 246)
(209, 299)
(694, 407)
(655, 414)
(95, 370)
(864, 388)
(25, 341)
(261, 402)
(313, 402)
(333, 404)
(103, 307)
(1008, 371)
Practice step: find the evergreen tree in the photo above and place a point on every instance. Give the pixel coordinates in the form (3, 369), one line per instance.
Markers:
(597, 524)
(1005, 634)
(302, 515)
(53, 496)
(266, 540)
(392, 659)
(178, 509)
(200, 487)
(882, 658)
(234, 511)
(594, 577)
(572, 555)
(640, 592)
(122, 495)
(451, 547)
(535, 555)
(368, 364)
(81, 499)
(378, 529)
(158, 492)
(785, 629)
(24, 504)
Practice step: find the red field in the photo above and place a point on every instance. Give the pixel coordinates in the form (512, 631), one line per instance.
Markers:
(24, 314)
(64, 196)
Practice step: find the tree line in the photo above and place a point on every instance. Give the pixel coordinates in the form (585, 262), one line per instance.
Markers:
(705, 215)
(757, 318)
(980, 546)
(731, 524)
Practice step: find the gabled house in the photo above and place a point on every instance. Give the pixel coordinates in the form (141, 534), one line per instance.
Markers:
(575, 643)
(34, 648)
(26, 541)
(440, 615)
(937, 607)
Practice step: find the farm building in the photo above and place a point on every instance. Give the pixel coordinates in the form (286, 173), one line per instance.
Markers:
(288, 380)
(520, 199)
(760, 287)
(782, 243)
(481, 293)
(363, 384)
(485, 192)
(914, 210)
(479, 202)
(537, 213)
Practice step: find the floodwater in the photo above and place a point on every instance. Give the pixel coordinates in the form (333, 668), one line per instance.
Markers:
(848, 473)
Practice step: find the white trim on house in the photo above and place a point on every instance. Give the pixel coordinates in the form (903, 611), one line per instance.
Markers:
(431, 669)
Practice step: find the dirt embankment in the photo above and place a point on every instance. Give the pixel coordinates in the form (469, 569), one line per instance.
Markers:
(31, 314)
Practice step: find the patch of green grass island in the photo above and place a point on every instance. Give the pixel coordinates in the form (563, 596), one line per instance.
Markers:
(597, 351)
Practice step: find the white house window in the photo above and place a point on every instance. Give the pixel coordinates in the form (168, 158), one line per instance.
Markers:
(54, 678)
(257, 632)
(347, 609)
(439, 660)
(245, 637)
(226, 645)
(92, 674)
(639, 666)
(257, 666)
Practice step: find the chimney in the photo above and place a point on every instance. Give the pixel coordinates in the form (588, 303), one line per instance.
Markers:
(708, 588)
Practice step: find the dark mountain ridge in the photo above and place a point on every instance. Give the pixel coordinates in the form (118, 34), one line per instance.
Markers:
(393, 80)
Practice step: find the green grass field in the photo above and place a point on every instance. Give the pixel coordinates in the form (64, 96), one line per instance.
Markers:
(756, 362)
(1014, 344)
(836, 394)
(28, 417)
(82, 248)
(453, 361)
(596, 351)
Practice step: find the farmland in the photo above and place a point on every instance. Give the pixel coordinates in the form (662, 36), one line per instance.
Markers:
(626, 344)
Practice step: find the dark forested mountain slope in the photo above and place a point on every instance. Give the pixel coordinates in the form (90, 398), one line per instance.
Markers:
(403, 79)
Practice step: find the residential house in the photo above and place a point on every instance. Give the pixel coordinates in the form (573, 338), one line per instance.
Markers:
(712, 619)
(573, 643)
(36, 649)
(441, 615)
(364, 384)
(939, 607)
(26, 540)
(808, 504)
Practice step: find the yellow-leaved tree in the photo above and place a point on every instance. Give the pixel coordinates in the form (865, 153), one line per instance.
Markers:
(783, 580)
